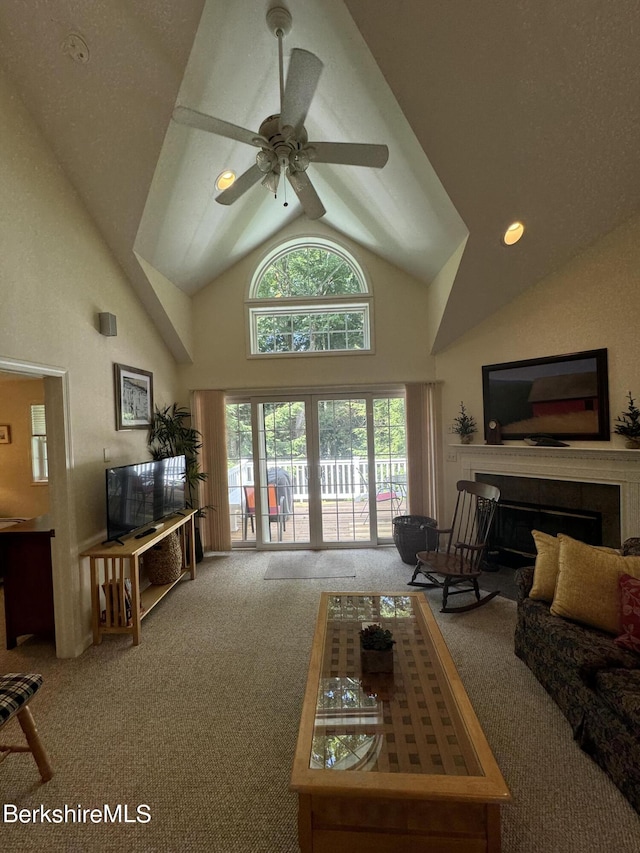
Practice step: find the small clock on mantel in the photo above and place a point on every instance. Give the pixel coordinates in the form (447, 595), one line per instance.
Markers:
(494, 432)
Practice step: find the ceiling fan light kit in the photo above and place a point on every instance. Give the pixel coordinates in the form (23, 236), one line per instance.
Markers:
(282, 138)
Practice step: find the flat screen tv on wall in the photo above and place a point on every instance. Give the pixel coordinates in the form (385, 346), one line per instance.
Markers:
(139, 495)
(563, 396)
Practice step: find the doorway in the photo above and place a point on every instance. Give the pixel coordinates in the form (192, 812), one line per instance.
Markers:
(316, 471)
(66, 584)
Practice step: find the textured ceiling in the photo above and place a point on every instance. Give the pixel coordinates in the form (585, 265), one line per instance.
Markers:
(527, 110)
(508, 110)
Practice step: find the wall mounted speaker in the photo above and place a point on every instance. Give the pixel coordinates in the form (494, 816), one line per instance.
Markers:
(108, 326)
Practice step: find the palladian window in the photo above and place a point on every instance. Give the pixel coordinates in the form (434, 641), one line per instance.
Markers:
(309, 297)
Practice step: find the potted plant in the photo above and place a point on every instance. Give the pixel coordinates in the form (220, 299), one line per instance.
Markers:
(376, 649)
(628, 424)
(171, 434)
(464, 425)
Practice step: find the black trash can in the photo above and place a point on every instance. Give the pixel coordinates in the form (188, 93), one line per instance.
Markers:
(413, 533)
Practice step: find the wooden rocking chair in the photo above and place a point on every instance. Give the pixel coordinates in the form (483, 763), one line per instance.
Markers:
(460, 563)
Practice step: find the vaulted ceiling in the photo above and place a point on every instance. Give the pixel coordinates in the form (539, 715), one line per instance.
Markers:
(491, 111)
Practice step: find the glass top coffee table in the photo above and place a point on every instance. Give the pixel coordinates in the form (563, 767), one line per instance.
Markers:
(391, 762)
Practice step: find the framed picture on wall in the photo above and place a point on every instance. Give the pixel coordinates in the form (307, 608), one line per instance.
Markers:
(5, 434)
(134, 397)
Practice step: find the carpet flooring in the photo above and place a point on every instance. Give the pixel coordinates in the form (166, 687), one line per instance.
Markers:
(310, 564)
(200, 721)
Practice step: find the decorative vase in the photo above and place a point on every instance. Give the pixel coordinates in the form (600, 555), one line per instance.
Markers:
(376, 660)
(632, 443)
(466, 439)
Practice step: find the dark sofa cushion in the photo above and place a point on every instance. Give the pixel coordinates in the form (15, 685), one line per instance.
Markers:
(619, 689)
(565, 657)
(631, 547)
(595, 684)
(566, 643)
(524, 581)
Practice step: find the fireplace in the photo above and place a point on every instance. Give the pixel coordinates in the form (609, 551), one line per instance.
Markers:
(579, 481)
(589, 512)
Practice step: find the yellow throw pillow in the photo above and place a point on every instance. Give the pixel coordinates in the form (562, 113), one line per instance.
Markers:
(545, 572)
(587, 589)
(547, 565)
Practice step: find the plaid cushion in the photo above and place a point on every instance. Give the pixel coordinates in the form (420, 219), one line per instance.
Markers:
(16, 688)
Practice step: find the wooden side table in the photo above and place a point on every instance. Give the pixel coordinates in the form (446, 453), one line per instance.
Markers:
(114, 563)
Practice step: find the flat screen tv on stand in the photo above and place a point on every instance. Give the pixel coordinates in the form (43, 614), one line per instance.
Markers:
(142, 495)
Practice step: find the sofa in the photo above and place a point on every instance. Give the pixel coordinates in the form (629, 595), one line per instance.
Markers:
(591, 673)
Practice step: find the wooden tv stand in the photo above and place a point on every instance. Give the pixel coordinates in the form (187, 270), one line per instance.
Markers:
(113, 562)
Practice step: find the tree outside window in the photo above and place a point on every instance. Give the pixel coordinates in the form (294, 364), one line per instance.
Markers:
(309, 298)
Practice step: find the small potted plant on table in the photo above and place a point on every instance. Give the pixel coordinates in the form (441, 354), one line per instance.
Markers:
(376, 649)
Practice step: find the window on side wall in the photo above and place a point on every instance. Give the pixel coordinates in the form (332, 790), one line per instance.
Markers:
(309, 297)
(39, 462)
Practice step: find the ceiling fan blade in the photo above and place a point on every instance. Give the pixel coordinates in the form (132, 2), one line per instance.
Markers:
(240, 186)
(302, 78)
(349, 153)
(306, 193)
(192, 118)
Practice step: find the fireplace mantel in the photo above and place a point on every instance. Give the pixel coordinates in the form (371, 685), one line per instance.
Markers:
(583, 464)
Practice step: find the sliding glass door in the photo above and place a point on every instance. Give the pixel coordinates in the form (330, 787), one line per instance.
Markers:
(283, 472)
(316, 471)
(342, 450)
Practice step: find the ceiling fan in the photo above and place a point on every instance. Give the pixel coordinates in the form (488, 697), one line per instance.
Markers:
(282, 138)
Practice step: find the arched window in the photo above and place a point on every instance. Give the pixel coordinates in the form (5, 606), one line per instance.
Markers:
(309, 297)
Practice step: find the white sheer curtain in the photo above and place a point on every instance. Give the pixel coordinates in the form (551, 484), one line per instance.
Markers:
(423, 413)
(209, 419)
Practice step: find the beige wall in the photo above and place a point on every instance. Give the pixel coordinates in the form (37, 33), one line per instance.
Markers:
(401, 349)
(19, 495)
(56, 275)
(592, 302)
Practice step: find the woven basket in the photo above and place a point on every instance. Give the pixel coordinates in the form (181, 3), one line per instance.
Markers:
(413, 533)
(163, 562)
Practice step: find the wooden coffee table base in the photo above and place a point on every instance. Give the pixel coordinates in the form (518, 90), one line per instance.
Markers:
(396, 763)
(380, 825)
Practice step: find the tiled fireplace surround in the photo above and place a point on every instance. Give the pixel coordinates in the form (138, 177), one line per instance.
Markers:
(615, 467)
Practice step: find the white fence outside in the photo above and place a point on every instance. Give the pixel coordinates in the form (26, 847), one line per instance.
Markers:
(341, 479)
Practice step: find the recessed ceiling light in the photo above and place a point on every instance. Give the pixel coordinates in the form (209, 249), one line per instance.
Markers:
(513, 233)
(225, 179)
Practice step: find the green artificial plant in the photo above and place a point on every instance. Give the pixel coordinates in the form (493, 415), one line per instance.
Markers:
(171, 434)
(628, 423)
(376, 637)
(464, 424)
